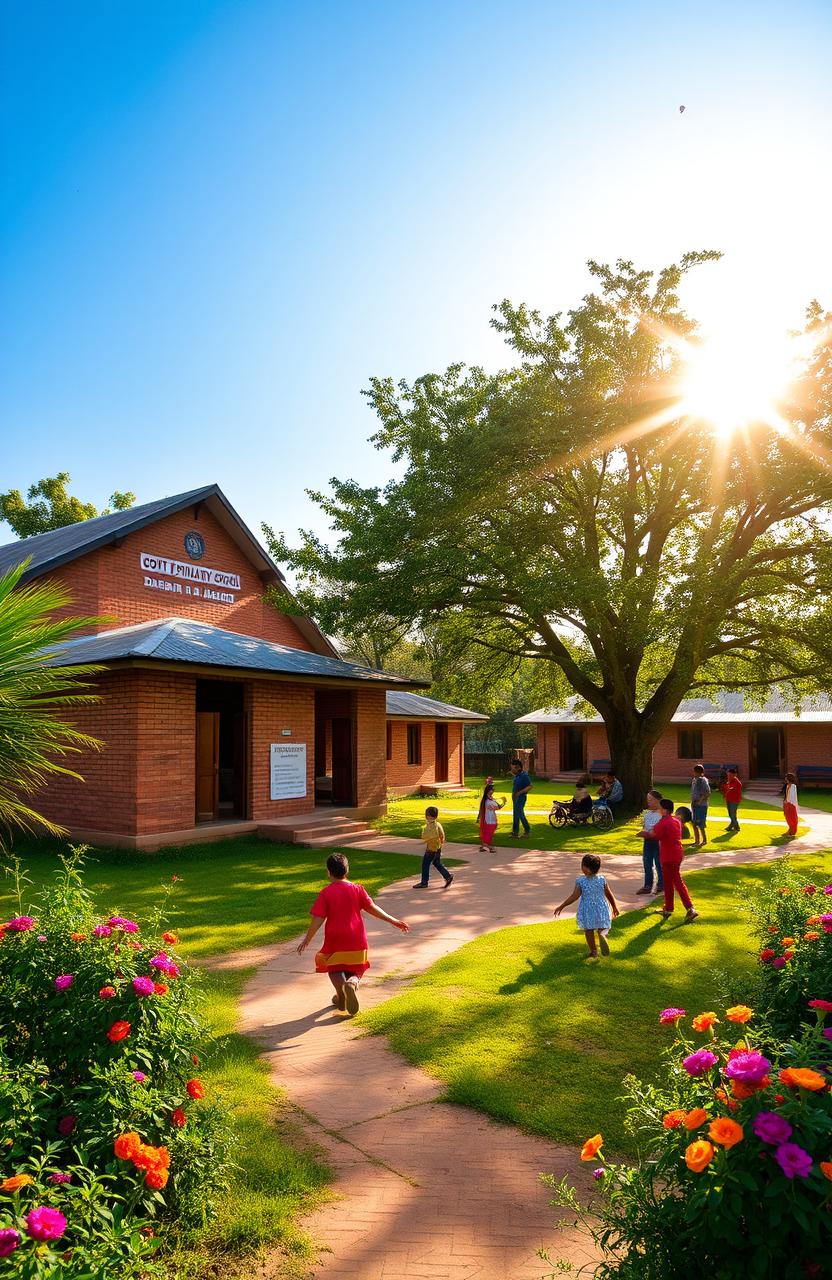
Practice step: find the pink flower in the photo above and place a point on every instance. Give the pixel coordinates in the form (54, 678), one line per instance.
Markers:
(60, 1177)
(20, 924)
(139, 1077)
(779, 962)
(750, 1067)
(44, 1223)
(64, 981)
(9, 1241)
(102, 931)
(143, 986)
(793, 1160)
(107, 993)
(41, 937)
(66, 1125)
(598, 1174)
(826, 922)
(827, 1031)
(671, 1015)
(126, 926)
(696, 1064)
(810, 889)
(827, 888)
(825, 1005)
(771, 1127)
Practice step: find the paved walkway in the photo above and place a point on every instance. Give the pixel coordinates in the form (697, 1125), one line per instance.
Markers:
(429, 1191)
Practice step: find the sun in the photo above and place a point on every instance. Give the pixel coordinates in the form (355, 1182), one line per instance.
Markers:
(736, 379)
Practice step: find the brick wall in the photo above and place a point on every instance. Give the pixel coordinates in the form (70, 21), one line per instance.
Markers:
(808, 744)
(402, 776)
(110, 582)
(272, 707)
(721, 744)
(165, 752)
(370, 710)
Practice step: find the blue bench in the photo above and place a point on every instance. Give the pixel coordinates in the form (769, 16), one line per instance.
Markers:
(599, 767)
(713, 772)
(816, 775)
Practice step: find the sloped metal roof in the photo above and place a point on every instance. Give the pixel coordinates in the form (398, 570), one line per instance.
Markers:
(415, 707)
(726, 707)
(187, 641)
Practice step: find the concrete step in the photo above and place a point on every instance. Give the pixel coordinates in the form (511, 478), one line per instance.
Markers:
(340, 841)
(294, 831)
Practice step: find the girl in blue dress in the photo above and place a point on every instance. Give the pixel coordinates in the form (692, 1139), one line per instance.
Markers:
(596, 904)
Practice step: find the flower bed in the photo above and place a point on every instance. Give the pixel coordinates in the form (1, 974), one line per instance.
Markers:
(107, 1138)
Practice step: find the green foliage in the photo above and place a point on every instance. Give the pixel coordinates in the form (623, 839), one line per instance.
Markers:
(87, 1005)
(35, 741)
(50, 506)
(615, 545)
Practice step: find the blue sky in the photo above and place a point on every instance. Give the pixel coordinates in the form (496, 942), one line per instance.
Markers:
(219, 218)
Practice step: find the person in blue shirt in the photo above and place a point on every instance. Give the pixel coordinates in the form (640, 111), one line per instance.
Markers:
(520, 788)
(611, 790)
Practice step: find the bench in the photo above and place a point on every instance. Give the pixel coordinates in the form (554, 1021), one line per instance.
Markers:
(815, 775)
(598, 768)
(714, 772)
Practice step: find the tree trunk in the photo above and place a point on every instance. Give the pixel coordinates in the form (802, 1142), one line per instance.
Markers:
(631, 754)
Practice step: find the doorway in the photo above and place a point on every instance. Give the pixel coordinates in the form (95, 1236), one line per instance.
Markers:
(440, 769)
(766, 753)
(334, 749)
(221, 751)
(572, 749)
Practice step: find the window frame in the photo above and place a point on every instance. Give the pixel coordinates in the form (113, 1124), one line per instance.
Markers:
(389, 747)
(414, 744)
(681, 734)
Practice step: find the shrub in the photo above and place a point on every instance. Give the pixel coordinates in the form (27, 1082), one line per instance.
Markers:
(735, 1176)
(104, 1124)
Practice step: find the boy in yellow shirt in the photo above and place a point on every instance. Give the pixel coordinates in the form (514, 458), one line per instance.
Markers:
(433, 835)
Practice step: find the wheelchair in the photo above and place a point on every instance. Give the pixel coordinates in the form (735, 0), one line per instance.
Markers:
(600, 816)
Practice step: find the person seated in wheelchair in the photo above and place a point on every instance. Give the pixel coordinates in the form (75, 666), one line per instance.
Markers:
(611, 791)
(580, 806)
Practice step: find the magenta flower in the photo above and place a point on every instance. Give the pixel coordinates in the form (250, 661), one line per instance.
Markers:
(825, 1005)
(64, 981)
(671, 1015)
(60, 1178)
(771, 1127)
(827, 1031)
(163, 962)
(126, 926)
(793, 1160)
(779, 962)
(696, 1064)
(20, 924)
(827, 888)
(102, 931)
(598, 1174)
(140, 1077)
(749, 1067)
(9, 1241)
(826, 921)
(143, 986)
(44, 1223)
(66, 1125)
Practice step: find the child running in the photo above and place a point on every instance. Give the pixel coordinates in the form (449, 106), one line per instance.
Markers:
(433, 834)
(594, 908)
(488, 818)
(344, 952)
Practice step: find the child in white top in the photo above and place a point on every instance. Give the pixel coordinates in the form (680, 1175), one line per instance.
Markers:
(488, 818)
(790, 803)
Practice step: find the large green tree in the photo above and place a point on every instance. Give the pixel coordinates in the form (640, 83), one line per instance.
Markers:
(570, 510)
(49, 505)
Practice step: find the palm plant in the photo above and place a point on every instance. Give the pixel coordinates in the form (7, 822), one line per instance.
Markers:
(35, 739)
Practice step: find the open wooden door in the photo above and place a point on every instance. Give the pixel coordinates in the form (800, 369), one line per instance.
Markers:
(207, 765)
(440, 772)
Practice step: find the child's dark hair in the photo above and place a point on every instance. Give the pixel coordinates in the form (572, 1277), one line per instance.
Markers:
(666, 804)
(790, 777)
(337, 864)
(488, 791)
(592, 862)
(431, 811)
(655, 793)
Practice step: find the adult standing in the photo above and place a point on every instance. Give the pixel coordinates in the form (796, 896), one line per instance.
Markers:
(520, 788)
(650, 857)
(790, 803)
(732, 791)
(700, 795)
(668, 832)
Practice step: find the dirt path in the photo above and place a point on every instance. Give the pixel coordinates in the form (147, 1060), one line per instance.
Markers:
(429, 1190)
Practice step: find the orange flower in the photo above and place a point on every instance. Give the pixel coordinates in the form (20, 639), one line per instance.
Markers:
(118, 1031)
(160, 988)
(170, 938)
(787, 942)
(127, 1145)
(151, 1158)
(196, 1091)
(802, 1078)
(156, 1178)
(698, 1156)
(704, 1021)
(811, 936)
(773, 928)
(826, 1169)
(591, 1147)
(78, 937)
(695, 1118)
(16, 1182)
(813, 920)
(673, 1119)
(726, 1132)
(739, 1013)
(742, 1090)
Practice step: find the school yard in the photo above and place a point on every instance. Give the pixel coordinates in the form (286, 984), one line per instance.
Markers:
(408, 1144)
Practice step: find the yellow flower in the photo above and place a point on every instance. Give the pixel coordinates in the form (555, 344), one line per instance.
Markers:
(698, 1156)
(787, 942)
(739, 1013)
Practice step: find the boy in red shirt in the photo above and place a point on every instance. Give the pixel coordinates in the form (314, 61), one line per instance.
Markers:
(732, 790)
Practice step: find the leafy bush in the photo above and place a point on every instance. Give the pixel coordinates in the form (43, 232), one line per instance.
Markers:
(735, 1176)
(106, 1137)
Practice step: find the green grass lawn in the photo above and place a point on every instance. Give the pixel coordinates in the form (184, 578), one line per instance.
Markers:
(517, 1025)
(545, 791)
(405, 817)
(231, 895)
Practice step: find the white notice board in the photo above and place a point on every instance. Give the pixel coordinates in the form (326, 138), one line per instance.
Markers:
(287, 770)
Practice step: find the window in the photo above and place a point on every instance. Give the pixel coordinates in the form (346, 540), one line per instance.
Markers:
(389, 741)
(690, 744)
(414, 744)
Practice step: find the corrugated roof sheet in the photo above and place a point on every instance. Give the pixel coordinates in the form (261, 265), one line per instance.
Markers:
(417, 707)
(726, 707)
(188, 641)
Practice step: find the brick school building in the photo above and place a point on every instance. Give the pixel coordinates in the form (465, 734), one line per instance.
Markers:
(217, 711)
